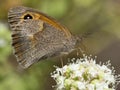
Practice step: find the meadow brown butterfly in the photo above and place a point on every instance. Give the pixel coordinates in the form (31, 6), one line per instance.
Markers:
(36, 36)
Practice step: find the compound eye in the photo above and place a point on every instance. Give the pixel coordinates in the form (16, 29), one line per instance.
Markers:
(28, 16)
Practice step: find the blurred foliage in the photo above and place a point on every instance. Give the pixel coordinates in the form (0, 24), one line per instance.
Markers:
(4, 42)
(100, 17)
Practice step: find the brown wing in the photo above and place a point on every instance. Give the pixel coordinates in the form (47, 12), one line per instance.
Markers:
(37, 37)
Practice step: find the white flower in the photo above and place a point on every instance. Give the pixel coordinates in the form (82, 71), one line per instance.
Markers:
(85, 74)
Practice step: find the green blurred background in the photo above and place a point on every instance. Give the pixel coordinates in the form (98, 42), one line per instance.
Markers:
(101, 17)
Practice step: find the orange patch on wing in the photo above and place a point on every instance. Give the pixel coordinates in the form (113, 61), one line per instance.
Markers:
(48, 20)
(56, 25)
(53, 23)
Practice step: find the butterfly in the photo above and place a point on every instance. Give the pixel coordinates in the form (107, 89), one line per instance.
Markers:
(36, 36)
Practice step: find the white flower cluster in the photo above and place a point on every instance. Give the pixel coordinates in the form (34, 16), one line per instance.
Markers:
(85, 74)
